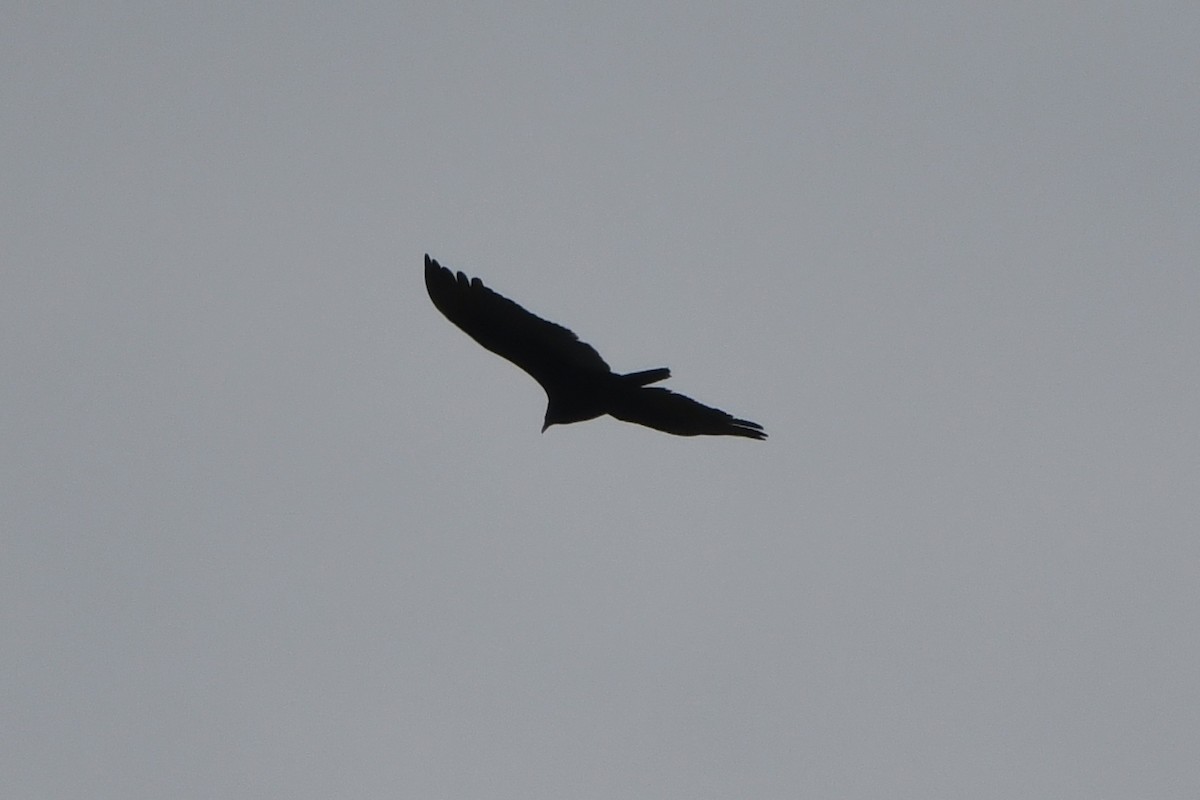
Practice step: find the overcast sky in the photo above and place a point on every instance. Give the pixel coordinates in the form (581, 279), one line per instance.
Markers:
(273, 527)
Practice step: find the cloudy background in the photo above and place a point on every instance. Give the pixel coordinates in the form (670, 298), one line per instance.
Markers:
(272, 527)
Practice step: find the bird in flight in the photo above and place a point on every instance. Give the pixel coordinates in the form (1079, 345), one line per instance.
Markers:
(579, 384)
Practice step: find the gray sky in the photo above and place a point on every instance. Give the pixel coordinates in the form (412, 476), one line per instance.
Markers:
(272, 527)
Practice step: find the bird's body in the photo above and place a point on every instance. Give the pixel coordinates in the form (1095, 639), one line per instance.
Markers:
(579, 384)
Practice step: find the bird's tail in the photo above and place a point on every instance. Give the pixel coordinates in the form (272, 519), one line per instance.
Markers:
(647, 376)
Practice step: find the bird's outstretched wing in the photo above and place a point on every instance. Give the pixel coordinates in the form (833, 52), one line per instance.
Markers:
(544, 350)
(665, 410)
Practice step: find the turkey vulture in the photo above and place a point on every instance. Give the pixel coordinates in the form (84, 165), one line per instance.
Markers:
(579, 384)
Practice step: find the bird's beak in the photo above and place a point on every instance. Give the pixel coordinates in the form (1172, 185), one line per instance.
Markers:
(544, 426)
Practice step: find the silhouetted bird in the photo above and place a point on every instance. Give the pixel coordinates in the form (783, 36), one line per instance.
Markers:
(579, 385)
